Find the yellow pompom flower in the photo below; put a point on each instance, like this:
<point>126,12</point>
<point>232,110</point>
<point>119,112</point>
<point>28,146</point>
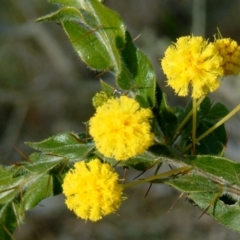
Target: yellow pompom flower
<point>230,51</point>
<point>92,190</point>
<point>192,61</point>
<point>121,129</point>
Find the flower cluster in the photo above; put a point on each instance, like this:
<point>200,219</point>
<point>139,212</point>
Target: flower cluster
<point>121,129</point>
<point>230,51</point>
<point>92,190</point>
<point>196,62</point>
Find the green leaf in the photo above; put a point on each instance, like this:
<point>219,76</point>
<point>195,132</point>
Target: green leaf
<point>84,37</point>
<point>108,89</point>
<point>208,115</point>
<point>4,175</point>
<point>228,172</point>
<point>70,3</point>
<point>88,46</point>
<point>64,14</point>
<point>24,185</point>
<point>10,215</point>
<point>214,185</point>
<point>138,74</point>
<point>204,108</point>
<point>43,162</point>
<point>161,151</point>
<point>166,116</point>
<point>142,162</point>
<point>40,187</point>
<point>9,189</point>
<point>193,183</point>
<point>228,215</point>
<point>226,175</point>
<point>216,113</point>
<point>67,145</point>
<point>98,35</point>
<point>216,141</point>
<point>143,103</point>
<point>205,194</point>
<point>186,132</point>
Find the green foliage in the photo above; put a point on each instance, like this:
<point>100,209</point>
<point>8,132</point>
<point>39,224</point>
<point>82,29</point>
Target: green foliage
<point>23,186</point>
<point>215,186</point>
<point>100,39</point>
<point>67,145</point>
<point>218,167</point>
<point>166,116</point>
<point>208,115</point>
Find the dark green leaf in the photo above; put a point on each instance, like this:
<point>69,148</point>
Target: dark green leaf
<point>142,162</point>
<point>161,151</point>
<point>216,113</point>
<point>166,116</point>
<point>208,115</point>
<point>138,74</point>
<point>214,143</point>
<point>10,215</point>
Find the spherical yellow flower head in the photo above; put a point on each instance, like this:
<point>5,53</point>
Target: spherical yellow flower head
<point>230,51</point>
<point>121,129</point>
<point>192,61</point>
<point>92,190</point>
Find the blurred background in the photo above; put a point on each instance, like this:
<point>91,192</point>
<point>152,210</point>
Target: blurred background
<point>45,89</point>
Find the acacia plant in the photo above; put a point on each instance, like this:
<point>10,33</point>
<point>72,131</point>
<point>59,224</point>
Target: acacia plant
<point>133,127</point>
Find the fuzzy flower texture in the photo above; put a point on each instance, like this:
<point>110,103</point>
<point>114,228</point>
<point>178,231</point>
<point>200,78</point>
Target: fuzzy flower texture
<point>196,62</point>
<point>121,129</point>
<point>92,190</point>
<point>230,51</point>
<point>192,61</point>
